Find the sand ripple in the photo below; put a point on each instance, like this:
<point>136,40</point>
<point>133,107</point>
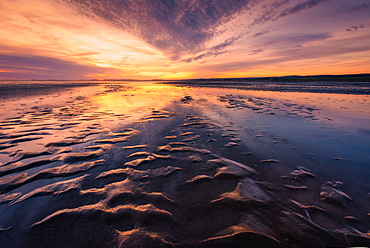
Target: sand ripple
<point>77,176</point>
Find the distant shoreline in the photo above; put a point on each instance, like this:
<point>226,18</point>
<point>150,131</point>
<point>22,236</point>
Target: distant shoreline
<point>339,87</point>
<point>364,77</point>
<point>322,78</point>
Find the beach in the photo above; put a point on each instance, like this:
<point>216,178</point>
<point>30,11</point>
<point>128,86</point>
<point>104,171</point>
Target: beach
<point>154,164</point>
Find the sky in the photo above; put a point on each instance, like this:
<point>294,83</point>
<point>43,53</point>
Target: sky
<point>180,39</point>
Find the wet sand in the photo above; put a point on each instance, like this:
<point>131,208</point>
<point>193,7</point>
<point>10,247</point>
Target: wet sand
<point>120,164</point>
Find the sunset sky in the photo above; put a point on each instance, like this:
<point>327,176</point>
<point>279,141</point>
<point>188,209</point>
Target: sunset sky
<point>174,39</point>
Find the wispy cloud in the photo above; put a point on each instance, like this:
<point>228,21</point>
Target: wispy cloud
<point>301,6</point>
<point>269,12</point>
<point>171,26</point>
<point>354,28</point>
<point>213,51</point>
<point>254,52</point>
<point>333,54</point>
<point>54,30</point>
<point>357,8</point>
<point>40,67</point>
<point>261,33</point>
<point>203,56</point>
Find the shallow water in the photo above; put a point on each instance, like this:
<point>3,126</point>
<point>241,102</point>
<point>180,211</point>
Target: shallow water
<point>169,162</point>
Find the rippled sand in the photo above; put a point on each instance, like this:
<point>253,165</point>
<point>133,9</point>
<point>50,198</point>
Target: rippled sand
<point>149,165</point>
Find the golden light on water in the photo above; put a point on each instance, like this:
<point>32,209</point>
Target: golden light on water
<point>138,99</point>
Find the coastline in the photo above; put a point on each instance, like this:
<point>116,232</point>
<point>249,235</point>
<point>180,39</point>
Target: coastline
<point>350,87</point>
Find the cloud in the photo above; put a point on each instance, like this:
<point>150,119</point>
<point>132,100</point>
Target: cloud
<point>40,67</point>
<point>203,55</point>
<point>358,8</point>
<point>48,28</point>
<point>261,33</point>
<point>301,6</point>
<point>276,42</point>
<point>225,44</point>
<point>354,28</point>
<point>325,55</point>
<point>214,51</point>
<point>171,26</point>
<point>268,13</point>
<point>274,10</point>
<point>254,52</point>
<point>85,54</point>
<point>311,37</point>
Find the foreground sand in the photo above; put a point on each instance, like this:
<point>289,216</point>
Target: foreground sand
<point>159,166</point>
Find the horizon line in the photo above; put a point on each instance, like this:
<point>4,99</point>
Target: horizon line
<point>221,78</point>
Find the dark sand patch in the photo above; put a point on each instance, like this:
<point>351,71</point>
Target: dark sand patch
<point>19,166</point>
<point>331,192</point>
<point>11,182</point>
<point>55,189</point>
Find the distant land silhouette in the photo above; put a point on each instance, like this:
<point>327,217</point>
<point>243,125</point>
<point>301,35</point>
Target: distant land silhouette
<point>340,78</point>
<point>345,84</point>
<point>293,78</point>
